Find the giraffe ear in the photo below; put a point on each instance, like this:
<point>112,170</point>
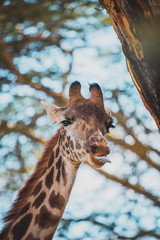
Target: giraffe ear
<point>51,110</point>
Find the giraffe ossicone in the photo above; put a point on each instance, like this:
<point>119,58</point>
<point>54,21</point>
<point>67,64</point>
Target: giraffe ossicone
<point>41,202</point>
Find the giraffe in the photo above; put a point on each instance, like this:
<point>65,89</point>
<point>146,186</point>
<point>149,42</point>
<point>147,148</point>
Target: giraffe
<point>39,206</point>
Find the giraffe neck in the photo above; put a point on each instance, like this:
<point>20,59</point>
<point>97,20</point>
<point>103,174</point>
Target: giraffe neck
<point>39,216</point>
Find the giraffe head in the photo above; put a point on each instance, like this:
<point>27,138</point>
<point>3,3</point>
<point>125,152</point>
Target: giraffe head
<point>84,122</point>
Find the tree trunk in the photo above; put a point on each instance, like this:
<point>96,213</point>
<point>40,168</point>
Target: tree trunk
<point>137,24</point>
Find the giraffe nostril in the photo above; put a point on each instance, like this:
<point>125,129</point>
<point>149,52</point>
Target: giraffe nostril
<point>99,149</point>
<point>93,148</point>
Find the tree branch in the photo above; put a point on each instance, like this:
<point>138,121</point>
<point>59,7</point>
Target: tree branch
<point>136,188</point>
<point>137,26</point>
<point>21,128</point>
<point>24,80</point>
<point>138,147</point>
<point>110,227</point>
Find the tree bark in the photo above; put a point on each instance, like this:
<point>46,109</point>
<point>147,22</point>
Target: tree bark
<point>137,24</point>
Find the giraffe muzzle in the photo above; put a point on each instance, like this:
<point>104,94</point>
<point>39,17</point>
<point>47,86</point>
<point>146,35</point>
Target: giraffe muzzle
<point>98,151</point>
<point>98,145</point>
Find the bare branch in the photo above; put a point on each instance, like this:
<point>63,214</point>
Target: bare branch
<point>109,227</point>
<point>136,188</point>
<point>24,80</point>
<point>21,128</point>
<point>138,147</point>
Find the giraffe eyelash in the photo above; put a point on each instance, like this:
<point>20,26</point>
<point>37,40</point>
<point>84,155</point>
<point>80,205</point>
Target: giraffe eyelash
<point>66,122</point>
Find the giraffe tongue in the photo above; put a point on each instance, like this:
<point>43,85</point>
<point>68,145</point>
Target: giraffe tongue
<point>97,161</point>
<point>102,159</point>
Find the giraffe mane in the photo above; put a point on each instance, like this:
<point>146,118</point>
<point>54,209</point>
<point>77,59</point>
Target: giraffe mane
<point>28,188</point>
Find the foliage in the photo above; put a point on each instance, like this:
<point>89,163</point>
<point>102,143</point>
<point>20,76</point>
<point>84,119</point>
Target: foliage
<point>40,42</point>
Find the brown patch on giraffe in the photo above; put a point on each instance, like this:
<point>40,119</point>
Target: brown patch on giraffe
<point>64,174</point>
<point>58,166</point>
<point>60,138</point>
<point>59,162</point>
<point>39,200</point>
<point>25,209</point>
<point>31,237</point>
<point>21,227</point>
<point>57,152</point>
<point>66,144</point>
<point>51,160</point>
<point>83,127</point>
<point>58,176</point>
<point>56,201</point>
<point>37,188</point>
<point>68,138</point>
<point>49,237</point>
<point>78,145</point>
<point>46,219</point>
<point>49,178</point>
<point>71,144</point>
<point>63,147</point>
<point>68,152</point>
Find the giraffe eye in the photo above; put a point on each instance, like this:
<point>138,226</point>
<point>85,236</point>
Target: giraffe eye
<point>66,122</point>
